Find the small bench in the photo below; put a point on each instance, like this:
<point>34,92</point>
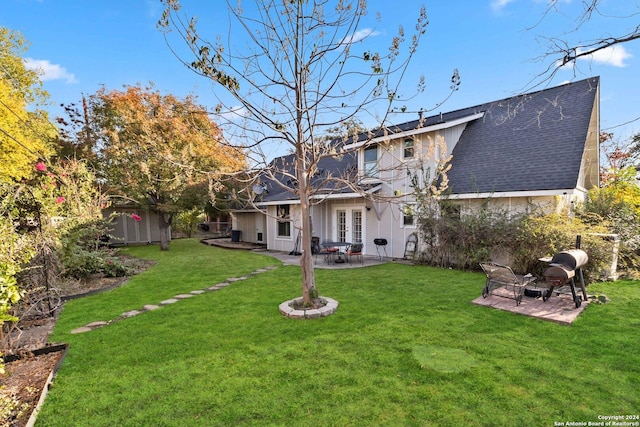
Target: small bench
<point>502,281</point>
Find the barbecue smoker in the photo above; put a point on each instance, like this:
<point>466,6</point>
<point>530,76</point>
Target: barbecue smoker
<point>563,268</point>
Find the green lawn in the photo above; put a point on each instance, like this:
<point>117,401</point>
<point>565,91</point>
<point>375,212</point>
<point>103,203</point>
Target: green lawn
<point>405,348</point>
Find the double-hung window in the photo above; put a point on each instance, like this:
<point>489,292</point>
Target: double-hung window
<point>408,215</point>
<point>371,161</point>
<point>284,221</point>
<point>408,148</point>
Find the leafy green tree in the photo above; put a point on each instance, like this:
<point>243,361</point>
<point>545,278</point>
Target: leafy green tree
<point>154,148</point>
<point>26,133</point>
<point>25,138</point>
<point>187,221</point>
<point>616,205</point>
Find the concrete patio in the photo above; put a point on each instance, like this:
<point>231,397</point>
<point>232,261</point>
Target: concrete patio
<point>287,259</point>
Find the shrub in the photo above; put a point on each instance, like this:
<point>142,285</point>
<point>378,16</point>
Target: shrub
<point>605,207</point>
<point>543,235</point>
<point>463,240</point>
<point>186,222</point>
<point>84,255</point>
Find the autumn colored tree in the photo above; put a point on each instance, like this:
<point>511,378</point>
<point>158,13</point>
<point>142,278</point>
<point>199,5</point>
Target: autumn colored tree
<point>154,147</point>
<point>288,72</point>
<point>25,130</point>
<point>616,203</point>
<point>618,173</point>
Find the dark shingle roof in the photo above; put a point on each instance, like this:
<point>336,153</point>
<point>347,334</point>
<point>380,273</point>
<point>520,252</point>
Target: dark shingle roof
<point>327,166</point>
<point>525,143</point>
<point>530,142</point>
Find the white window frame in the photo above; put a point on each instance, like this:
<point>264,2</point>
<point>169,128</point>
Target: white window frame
<point>406,147</point>
<point>283,218</point>
<point>370,168</point>
<point>406,208</point>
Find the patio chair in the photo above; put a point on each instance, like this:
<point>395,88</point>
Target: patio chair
<point>327,251</point>
<point>315,245</point>
<point>354,250</point>
<point>502,277</point>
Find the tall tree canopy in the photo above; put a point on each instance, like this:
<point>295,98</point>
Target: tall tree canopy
<point>25,130</point>
<point>154,147</point>
<point>294,70</point>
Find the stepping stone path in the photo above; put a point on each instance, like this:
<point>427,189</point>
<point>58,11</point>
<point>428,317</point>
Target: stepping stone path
<point>150,307</point>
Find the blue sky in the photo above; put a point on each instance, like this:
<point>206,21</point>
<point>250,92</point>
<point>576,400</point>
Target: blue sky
<point>495,44</point>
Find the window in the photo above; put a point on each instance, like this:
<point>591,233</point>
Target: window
<point>284,222</point>
<point>408,148</point>
<point>408,215</point>
<point>371,161</point>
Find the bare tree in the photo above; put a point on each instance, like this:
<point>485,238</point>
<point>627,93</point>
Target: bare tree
<point>294,71</point>
<point>619,24</point>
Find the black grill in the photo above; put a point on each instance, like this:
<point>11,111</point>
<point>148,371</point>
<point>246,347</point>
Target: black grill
<point>562,269</point>
<point>381,244</point>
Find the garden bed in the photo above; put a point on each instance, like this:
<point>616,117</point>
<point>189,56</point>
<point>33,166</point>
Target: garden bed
<point>30,369</point>
<point>26,382</point>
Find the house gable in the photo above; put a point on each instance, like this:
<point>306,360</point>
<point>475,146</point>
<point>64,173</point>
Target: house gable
<point>531,143</point>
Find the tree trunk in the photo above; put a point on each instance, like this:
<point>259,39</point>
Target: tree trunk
<point>164,222</point>
<point>309,292</point>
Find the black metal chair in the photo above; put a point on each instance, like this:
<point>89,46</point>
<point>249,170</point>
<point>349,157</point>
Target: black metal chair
<point>327,251</point>
<point>315,245</point>
<point>354,250</point>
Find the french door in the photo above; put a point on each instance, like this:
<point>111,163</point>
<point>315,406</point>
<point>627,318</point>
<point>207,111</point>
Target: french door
<point>349,225</point>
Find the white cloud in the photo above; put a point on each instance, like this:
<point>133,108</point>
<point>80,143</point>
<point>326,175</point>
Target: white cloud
<point>498,5</point>
<point>49,71</point>
<point>360,35</point>
<point>613,55</point>
<point>234,113</point>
